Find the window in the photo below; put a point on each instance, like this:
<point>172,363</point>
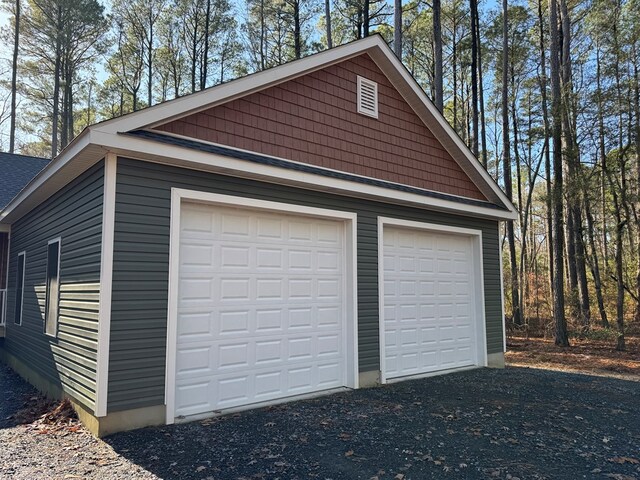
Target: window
<point>4,274</point>
<point>367,97</point>
<point>20,287</point>
<point>52,288</point>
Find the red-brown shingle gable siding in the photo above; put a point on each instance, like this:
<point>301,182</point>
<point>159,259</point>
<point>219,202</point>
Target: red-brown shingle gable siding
<point>313,119</point>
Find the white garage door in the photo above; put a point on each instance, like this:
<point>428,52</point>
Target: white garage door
<point>428,302</point>
<point>260,307</point>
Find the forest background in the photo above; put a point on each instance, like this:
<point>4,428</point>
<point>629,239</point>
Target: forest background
<point>546,93</point>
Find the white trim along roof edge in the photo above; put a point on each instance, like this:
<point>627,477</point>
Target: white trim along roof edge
<point>95,141</point>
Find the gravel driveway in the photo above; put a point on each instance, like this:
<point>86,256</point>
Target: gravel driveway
<point>505,424</point>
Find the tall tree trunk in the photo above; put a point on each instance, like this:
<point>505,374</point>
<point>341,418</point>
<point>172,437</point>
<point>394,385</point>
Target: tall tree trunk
<point>55,120</point>
<point>454,64</point>
<point>64,114</point>
<point>547,131</point>
<point>620,225</point>
<point>14,77</point>
<point>365,18</point>
<point>150,53</point>
<point>297,42</point>
<point>595,266</point>
<point>603,159</point>
<point>437,58</point>
<point>327,16</point>
<point>262,36</point>
<point>575,238</point>
<point>561,334</point>
<point>474,76</point>
<point>204,69</point>
<point>522,211</point>
<point>636,104</point>
<point>506,162</point>
<point>397,28</point>
<point>483,124</point>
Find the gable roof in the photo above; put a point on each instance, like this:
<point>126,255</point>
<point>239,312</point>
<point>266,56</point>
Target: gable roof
<point>16,171</point>
<point>95,141</point>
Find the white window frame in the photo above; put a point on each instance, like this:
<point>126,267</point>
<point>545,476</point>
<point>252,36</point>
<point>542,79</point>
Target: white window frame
<point>47,294</point>
<point>3,307</point>
<point>178,196</point>
<point>478,282</point>
<point>361,81</point>
<point>24,274</point>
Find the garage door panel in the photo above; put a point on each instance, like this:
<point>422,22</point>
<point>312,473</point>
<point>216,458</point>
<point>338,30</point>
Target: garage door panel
<point>212,358</point>
<point>245,387</point>
<point>429,321</point>
<point>262,315</point>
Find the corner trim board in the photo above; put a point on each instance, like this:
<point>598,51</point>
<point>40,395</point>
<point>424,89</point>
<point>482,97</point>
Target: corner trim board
<point>106,277</point>
<point>478,285</point>
<point>179,195</point>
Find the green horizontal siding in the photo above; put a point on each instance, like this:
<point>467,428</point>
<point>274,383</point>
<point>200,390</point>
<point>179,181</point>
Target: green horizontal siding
<point>141,262</point>
<point>75,215</point>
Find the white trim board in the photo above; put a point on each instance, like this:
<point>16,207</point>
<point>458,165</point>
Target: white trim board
<point>106,277</point>
<point>175,155</point>
<point>178,196</point>
<point>478,285</point>
<point>24,276</point>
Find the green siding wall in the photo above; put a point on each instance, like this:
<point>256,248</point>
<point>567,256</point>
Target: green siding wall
<point>140,276</point>
<point>75,215</point>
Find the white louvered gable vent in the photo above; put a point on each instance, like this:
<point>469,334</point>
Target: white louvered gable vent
<point>367,97</point>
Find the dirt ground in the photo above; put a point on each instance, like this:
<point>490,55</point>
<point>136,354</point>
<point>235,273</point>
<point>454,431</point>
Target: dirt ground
<point>597,357</point>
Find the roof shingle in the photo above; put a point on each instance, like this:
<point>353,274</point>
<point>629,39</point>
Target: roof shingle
<point>15,172</point>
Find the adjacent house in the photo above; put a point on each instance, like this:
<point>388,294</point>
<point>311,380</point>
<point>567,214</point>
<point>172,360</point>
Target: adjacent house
<point>313,227</point>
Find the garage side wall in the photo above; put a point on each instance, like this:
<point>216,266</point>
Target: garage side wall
<point>141,264</point>
<point>68,361</point>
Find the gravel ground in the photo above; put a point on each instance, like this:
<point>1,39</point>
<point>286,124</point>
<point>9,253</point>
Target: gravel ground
<point>506,424</point>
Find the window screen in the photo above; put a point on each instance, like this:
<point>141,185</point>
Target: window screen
<point>53,288</point>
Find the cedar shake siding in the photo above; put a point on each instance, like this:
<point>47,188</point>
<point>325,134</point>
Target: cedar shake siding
<point>141,268</point>
<point>313,119</point>
<point>74,214</point>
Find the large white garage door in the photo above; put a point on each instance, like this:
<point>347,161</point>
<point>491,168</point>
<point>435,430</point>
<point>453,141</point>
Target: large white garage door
<point>428,302</point>
<point>260,307</point>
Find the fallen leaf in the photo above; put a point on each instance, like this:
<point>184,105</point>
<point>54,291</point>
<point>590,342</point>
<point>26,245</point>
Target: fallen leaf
<point>201,468</point>
<point>624,460</point>
<point>399,476</point>
<point>348,453</point>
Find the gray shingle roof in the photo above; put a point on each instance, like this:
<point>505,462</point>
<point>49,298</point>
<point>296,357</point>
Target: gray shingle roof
<point>15,172</point>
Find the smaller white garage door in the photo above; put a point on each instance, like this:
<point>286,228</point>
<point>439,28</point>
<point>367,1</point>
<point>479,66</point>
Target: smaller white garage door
<point>261,307</point>
<point>429,301</point>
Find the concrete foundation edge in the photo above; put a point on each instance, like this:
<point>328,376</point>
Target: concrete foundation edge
<point>98,426</point>
<point>369,379</point>
<point>496,360</point>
